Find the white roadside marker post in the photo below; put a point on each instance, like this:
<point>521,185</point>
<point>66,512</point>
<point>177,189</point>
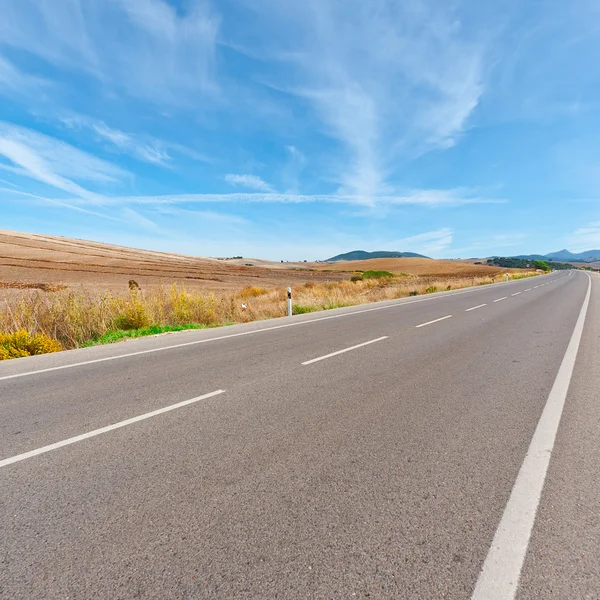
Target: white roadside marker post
<point>507,277</point>
<point>289,292</point>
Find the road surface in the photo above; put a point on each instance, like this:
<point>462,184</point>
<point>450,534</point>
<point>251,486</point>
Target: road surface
<point>394,450</point>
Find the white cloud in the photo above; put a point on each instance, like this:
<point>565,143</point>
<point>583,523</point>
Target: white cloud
<point>135,218</point>
<point>387,79</point>
<point>430,243</point>
<point>425,198</point>
<point>53,162</point>
<point>252,182</point>
<point>5,182</point>
<point>59,203</point>
<point>129,144</point>
<point>143,147</point>
<point>145,47</point>
<point>290,174</point>
<point>13,81</point>
<point>585,238</point>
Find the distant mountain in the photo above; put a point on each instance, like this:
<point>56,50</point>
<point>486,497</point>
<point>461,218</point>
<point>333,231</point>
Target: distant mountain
<point>588,255</point>
<point>531,257</point>
<point>564,256</point>
<point>362,255</point>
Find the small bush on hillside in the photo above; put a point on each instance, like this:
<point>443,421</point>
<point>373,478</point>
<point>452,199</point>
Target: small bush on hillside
<point>356,278</point>
<point>22,343</point>
<point>252,291</point>
<point>413,293</point>
<point>431,289</point>
<point>377,274</point>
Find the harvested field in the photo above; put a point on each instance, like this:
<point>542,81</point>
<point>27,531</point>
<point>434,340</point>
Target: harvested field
<point>421,267</point>
<point>50,263</point>
<point>31,260</point>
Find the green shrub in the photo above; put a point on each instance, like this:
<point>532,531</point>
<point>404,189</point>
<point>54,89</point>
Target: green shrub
<point>299,309</point>
<point>431,289</point>
<point>377,274</point>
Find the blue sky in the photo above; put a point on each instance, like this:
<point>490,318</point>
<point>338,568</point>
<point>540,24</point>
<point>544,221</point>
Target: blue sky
<point>298,130</point>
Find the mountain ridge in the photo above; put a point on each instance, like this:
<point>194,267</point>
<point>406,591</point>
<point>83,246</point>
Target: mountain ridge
<point>364,255</point>
<point>564,256</point>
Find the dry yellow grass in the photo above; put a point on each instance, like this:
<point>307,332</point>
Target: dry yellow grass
<point>73,318</point>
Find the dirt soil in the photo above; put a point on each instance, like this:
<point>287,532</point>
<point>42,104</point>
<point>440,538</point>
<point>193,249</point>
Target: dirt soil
<point>37,261</point>
<point>49,263</point>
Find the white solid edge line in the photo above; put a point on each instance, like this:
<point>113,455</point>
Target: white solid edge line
<point>403,302</point>
<point>500,299</point>
<point>95,432</point>
<point>434,321</point>
<point>499,577</point>
<point>516,294</point>
<point>475,307</point>
<point>314,360</point>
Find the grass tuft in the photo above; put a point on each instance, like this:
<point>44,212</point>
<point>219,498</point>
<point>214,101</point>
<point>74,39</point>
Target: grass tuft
<point>299,309</point>
<point>118,335</point>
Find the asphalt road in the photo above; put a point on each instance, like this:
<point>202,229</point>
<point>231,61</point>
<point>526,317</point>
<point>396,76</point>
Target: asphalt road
<point>408,461</point>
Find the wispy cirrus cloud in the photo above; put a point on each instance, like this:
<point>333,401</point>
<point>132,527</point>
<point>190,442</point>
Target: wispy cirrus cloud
<point>142,147</point>
<point>55,163</point>
<point>425,198</point>
<point>14,81</point>
<point>291,172</point>
<point>386,79</point>
<point>430,243</point>
<point>251,182</point>
<point>585,238</point>
<point>156,52</point>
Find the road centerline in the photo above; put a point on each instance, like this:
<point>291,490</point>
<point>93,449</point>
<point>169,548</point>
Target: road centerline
<point>434,321</point>
<point>500,299</point>
<point>314,360</point>
<point>501,571</point>
<point>516,294</point>
<point>95,432</point>
<point>475,307</point>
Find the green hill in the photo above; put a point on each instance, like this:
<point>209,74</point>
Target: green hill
<point>363,255</point>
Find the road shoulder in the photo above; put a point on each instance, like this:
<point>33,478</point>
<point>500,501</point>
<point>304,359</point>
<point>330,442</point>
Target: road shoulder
<point>562,559</point>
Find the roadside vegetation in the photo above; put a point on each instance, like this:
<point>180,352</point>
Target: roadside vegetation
<point>36,322</point>
<point>521,263</point>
